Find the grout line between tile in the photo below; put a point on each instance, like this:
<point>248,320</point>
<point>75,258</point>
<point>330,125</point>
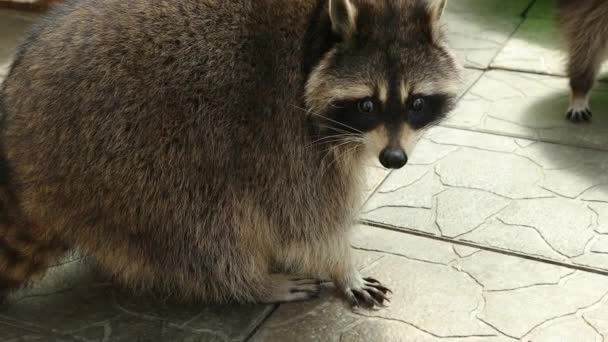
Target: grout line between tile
<point>470,86</point>
<point>523,137</point>
<point>601,80</point>
<point>527,10</point>
<point>529,72</point>
<point>543,260</point>
<point>375,190</point>
<point>258,325</point>
<point>521,22</point>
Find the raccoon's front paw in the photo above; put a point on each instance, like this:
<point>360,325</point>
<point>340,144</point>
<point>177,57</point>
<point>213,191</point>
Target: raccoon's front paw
<point>368,292</point>
<point>577,115</point>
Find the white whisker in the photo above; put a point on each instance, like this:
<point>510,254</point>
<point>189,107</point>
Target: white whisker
<point>328,119</point>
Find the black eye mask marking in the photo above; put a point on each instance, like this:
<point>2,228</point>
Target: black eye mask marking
<point>423,110</point>
<point>359,116</point>
<point>354,116</point>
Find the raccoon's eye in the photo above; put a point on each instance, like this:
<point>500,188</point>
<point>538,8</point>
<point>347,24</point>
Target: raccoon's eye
<point>366,106</point>
<point>418,105</point>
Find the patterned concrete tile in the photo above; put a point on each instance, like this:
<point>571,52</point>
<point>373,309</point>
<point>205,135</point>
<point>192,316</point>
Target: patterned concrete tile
<point>128,328</point>
<point>464,251</point>
<point>576,293</point>
<point>569,328</point>
<point>536,47</point>
<point>64,311</point>
<point>500,274</point>
<point>461,210</point>
<point>509,176</point>
<point>476,38</point>
<point>597,318</point>
<point>538,199</point>
<point>530,106</point>
<point>565,224</point>
<point>226,322</point>
<point>483,296</point>
<point>74,301</point>
<point>469,77</point>
<point>9,333</point>
<point>392,242</point>
<point>600,209</point>
<point>512,237</point>
<point>597,194</point>
<point>385,330</point>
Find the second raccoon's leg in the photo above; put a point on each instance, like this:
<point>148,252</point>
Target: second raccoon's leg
<point>587,48</point>
<point>582,79</point>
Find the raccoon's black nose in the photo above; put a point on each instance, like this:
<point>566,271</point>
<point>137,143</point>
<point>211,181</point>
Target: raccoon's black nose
<point>393,158</point>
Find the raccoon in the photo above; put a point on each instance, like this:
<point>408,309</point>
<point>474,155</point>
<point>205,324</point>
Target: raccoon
<point>584,25</point>
<point>213,150</point>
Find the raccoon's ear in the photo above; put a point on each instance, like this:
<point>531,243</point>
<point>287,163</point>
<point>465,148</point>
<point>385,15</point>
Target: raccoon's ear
<point>343,16</point>
<point>437,7</point>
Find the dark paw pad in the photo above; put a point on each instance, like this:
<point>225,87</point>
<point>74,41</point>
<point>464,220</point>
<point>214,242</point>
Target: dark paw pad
<point>579,115</point>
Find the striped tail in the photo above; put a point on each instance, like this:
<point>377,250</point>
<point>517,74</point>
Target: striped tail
<point>25,250</point>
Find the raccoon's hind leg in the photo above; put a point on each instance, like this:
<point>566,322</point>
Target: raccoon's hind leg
<point>582,78</point>
<point>587,47</point>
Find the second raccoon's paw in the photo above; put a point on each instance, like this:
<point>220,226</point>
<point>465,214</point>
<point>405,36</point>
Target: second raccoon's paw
<point>368,292</point>
<point>292,289</point>
<point>579,115</point>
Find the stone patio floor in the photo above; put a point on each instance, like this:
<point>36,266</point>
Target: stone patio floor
<point>497,230</point>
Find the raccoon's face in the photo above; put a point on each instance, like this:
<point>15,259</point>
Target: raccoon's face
<point>382,74</point>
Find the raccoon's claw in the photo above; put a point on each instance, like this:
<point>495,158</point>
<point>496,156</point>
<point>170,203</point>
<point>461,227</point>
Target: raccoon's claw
<point>377,285</point>
<point>292,289</point>
<point>369,294</point>
<point>579,115</point>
